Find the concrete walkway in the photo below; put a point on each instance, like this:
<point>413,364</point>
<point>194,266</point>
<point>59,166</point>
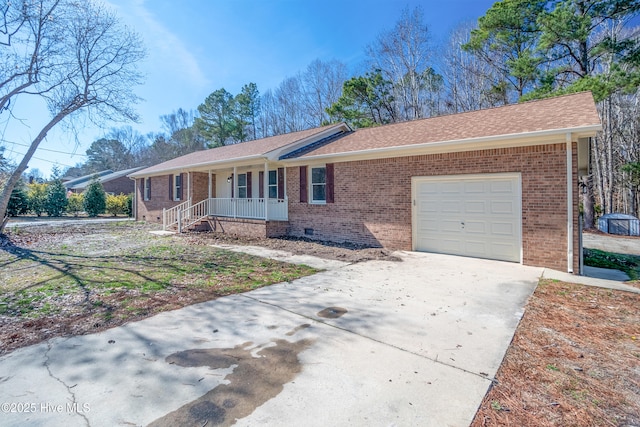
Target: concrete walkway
<point>378,343</point>
<point>598,277</point>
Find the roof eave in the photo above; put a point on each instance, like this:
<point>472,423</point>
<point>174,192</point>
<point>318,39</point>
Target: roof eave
<point>272,155</point>
<point>452,145</point>
<point>203,165</point>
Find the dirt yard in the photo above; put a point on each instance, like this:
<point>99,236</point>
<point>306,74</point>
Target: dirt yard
<point>574,360</point>
<point>594,239</point>
<point>87,277</point>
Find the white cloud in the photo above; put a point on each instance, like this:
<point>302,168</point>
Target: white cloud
<point>167,52</point>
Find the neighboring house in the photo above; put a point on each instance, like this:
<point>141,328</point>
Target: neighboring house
<point>112,182</point>
<point>500,183</point>
<point>71,182</point>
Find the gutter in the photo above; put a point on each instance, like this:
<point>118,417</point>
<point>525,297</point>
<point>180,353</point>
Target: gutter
<point>231,162</point>
<point>444,145</point>
<point>272,155</point>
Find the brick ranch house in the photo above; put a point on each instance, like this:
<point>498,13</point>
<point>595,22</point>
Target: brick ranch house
<point>500,183</point>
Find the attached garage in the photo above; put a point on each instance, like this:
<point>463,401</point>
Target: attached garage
<point>500,183</point>
<point>470,215</point>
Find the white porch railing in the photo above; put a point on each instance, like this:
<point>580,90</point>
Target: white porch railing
<point>170,216</point>
<point>273,209</point>
<point>186,214</point>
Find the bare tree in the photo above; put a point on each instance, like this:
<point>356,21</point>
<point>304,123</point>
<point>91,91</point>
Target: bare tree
<point>471,82</point>
<point>76,56</point>
<point>403,55</point>
<point>322,88</point>
<point>268,118</point>
<point>290,98</point>
<point>300,102</point>
<point>181,132</point>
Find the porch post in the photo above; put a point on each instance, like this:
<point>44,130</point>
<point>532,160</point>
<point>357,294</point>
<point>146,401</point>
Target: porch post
<point>234,183</point>
<point>265,185</point>
<point>210,192</point>
<point>285,196</point>
<point>189,187</point>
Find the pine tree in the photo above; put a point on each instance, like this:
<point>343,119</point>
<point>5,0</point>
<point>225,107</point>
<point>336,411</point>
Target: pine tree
<point>95,199</point>
<point>56,201</point>
<point>19,201</point>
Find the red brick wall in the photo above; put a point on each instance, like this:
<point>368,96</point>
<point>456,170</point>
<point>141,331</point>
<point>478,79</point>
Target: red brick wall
<point>247,227</point>
<point>277,228</point>
<point>151,210</point>
<point>253,227</point>
<point>373,199</point>
<point>200,186</point>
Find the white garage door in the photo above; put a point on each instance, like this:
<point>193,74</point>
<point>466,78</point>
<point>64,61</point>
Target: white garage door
<point>470,215</point>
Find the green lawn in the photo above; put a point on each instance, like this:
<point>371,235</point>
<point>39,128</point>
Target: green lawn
<point>630,264</point>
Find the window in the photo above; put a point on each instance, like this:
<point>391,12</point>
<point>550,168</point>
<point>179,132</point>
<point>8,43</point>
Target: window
<point>242,186</point>
<point>318,185</point>
<point>147,189</point>
<point>177,187</point>
<point>273,184</point>
<point>321,187</point>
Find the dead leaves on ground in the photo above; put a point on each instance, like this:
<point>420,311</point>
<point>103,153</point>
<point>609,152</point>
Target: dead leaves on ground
<point>574,361</point>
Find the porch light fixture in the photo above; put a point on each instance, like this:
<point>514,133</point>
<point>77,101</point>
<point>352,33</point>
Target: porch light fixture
<point>229,179</point>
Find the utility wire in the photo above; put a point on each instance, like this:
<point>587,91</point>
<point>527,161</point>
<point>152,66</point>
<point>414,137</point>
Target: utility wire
<point>44,149</point>
<point>44,160</point>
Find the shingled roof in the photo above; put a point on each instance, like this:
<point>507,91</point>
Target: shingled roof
<point>561,114</point>
<point>567,113</point>
<point>245,150</point>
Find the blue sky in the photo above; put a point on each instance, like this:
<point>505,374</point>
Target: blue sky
<point>198,46</point>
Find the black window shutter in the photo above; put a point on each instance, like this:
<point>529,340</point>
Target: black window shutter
<point>280,183</point>
<point>170,187</point>
<point>329,182</point>
<point>261,184</point>
<point>304,196</point>
<point>249,187</point>
<point>149,187</point>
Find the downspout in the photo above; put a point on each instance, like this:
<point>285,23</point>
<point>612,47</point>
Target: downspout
<point>569,203</point>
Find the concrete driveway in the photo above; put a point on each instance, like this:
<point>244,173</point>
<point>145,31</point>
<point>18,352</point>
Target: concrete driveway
<point>414,342</point>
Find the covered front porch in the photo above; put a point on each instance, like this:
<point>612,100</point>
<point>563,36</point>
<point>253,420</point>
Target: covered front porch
<point>247,192</point>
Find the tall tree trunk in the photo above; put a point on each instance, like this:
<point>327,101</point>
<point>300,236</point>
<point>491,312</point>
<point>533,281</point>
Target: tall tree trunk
<point>608,158</point>
<point>17,173</point>
<point>587,202</point>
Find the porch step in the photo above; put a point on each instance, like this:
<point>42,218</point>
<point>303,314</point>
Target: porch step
<point>212,221</point>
